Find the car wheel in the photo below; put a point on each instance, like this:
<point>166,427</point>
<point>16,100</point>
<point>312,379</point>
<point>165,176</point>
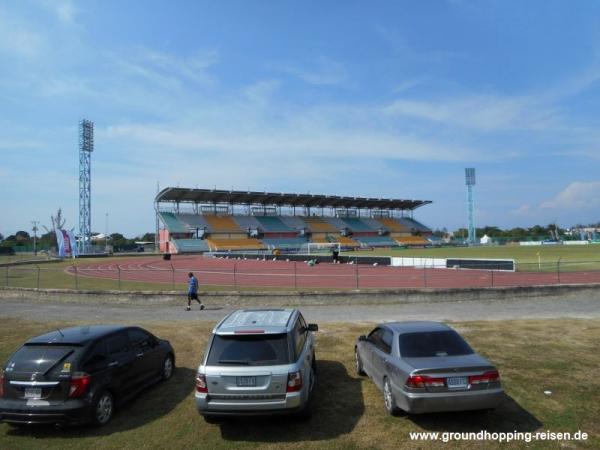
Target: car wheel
<point>167,367</point>
<point>358,363</point>
<point>306,412</point>
<point>103,408</point>
<point>388,399</point>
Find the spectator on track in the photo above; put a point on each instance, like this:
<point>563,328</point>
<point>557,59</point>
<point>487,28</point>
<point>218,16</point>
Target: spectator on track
<point>193,291</point>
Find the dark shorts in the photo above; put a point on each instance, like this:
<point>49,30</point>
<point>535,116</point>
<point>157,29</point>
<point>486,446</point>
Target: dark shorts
<point>192,295</point>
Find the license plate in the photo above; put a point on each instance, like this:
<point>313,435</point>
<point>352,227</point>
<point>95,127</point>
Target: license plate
<point>456,382</point>
<point>246,381</point>
<point>33,392</point>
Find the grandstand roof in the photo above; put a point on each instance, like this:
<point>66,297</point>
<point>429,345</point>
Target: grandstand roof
<point>213,196</point>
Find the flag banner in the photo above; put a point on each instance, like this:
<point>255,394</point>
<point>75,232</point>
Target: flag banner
<point>60,244</point>
<point>66,244</point>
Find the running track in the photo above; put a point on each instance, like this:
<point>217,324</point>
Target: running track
<point>260,273</point>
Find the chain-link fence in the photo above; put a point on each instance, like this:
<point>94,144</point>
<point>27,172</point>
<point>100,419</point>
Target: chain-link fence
<point>293,276</point>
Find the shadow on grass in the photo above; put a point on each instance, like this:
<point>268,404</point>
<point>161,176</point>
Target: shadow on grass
<point>509,416</point>
<point>337,407</point>
<point>149,405</point>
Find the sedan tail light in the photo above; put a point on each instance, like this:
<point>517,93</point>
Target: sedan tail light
<point>1,384</point>
<point>491,376</point>
<point>421,381</point>
<point>79,384</point>
<point>201,385</point>
<point>294,383</point>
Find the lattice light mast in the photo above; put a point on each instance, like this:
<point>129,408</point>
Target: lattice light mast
<point>86,147</point>
<point>470,182</point>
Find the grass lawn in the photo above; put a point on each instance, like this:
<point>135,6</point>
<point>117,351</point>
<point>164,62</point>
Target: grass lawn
<point>533,356</point>
<point>587,256</point>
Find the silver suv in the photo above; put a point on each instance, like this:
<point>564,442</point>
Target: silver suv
<point>258,361</point>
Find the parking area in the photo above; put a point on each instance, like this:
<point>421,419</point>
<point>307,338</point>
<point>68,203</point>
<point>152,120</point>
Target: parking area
<point>534,357</point>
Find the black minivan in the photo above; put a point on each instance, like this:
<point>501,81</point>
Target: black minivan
<point>78,375</point>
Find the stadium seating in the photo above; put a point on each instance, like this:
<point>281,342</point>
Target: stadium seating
<point>222,224</point>
<point>411,240</point>
<point>321,238</point>
<point>336,223</point>
<point>173,224</point>
<point>356,224</point>
<point>372,223</point>
<point>317,224</point>
<point>377,241</point>
<point>247,222</point>
<point>194,221</point>
<point>412,224</point>
<point>234,244</point>
<point>394,225</point>
<point>294,222</point>
<point>270,224</point>
<point>346,241</point>
<point>190,245</point>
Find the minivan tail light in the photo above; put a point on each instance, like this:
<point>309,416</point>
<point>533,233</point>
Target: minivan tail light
<point>79,384</point>
<point>421,381</point>
<point>491,376</point>
<point>294,383</point>
<point>201,385</point>
<point>1,384</point>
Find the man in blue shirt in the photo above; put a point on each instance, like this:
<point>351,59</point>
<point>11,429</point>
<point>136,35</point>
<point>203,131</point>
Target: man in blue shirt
<point>193,291</point>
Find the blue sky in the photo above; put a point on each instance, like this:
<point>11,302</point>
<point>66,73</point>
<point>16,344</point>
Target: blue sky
<point>380,98</point>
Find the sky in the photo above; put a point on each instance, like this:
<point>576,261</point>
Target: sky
<point>381,99</point>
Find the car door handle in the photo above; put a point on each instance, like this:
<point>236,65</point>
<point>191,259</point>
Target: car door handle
<point>113,364</point>
<point>139,355</point>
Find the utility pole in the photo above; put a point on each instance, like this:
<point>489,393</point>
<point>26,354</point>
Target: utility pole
<point>34,229</point>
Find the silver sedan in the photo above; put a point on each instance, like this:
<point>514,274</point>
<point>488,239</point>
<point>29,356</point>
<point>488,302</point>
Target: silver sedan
<point>426,367</point>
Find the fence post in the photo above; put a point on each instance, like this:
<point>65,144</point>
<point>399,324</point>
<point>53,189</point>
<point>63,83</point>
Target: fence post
<point>295,276</point>
<point>172,277</point>
<point>356,274</point>
<point>76,278</point>
<point>119,276</point>
<point>424,275</point>
<point>234,275</point>
<point>492,271</point>
<point>6,275</point>
<point>558,269</point>
<point>38,277</point>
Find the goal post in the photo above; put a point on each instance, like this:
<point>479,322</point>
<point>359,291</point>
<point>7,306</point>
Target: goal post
<point>322,247</point>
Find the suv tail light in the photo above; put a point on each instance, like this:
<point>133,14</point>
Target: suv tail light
<point>79,384</point>
<point>491,376</point>
<point>294,383</point>
<point>1,384</point>
<point>201,385</point>
<point>421,381</point>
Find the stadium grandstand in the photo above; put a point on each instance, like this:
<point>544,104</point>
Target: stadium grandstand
<point>203,220</point>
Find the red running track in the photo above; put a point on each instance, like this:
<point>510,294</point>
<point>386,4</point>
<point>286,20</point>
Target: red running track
<point>284,274</point>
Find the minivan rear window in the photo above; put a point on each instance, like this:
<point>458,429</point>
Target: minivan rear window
<point>249,350</point>
<point>41,358</point>
<point>433,343</point>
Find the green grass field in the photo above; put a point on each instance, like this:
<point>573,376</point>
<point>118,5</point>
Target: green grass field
<point>349,412</point>
<point>572,257</point>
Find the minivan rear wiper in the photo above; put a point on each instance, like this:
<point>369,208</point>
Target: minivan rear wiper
<point>245,362</point>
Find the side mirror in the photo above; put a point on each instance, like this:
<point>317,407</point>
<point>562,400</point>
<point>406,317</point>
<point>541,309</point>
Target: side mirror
<point>313,327</point>
<point>362,337</point>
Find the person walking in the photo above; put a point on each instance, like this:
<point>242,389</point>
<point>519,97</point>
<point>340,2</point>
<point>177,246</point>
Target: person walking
<point>193,291</point>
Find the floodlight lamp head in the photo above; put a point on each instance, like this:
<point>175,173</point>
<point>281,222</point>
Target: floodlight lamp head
<point>470,176</point>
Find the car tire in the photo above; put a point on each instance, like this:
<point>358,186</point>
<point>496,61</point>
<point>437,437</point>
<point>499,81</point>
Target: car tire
<point>306,412</point>
<point>103,408</point>
<point>358,365</point>
<point>212,419</point>
<point>388,399</point>
<point>168,367</point>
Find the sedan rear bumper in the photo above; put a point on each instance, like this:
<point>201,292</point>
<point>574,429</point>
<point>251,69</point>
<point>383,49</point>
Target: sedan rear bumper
<point>417,403</point>
<point>73,411</point>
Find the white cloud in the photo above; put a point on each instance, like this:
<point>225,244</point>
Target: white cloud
<point>577,195</point>
<point>322,72</point>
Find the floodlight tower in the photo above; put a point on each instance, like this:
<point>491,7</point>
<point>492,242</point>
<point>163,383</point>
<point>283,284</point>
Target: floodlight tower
<point>470,182</point>
<point>86,147</point>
